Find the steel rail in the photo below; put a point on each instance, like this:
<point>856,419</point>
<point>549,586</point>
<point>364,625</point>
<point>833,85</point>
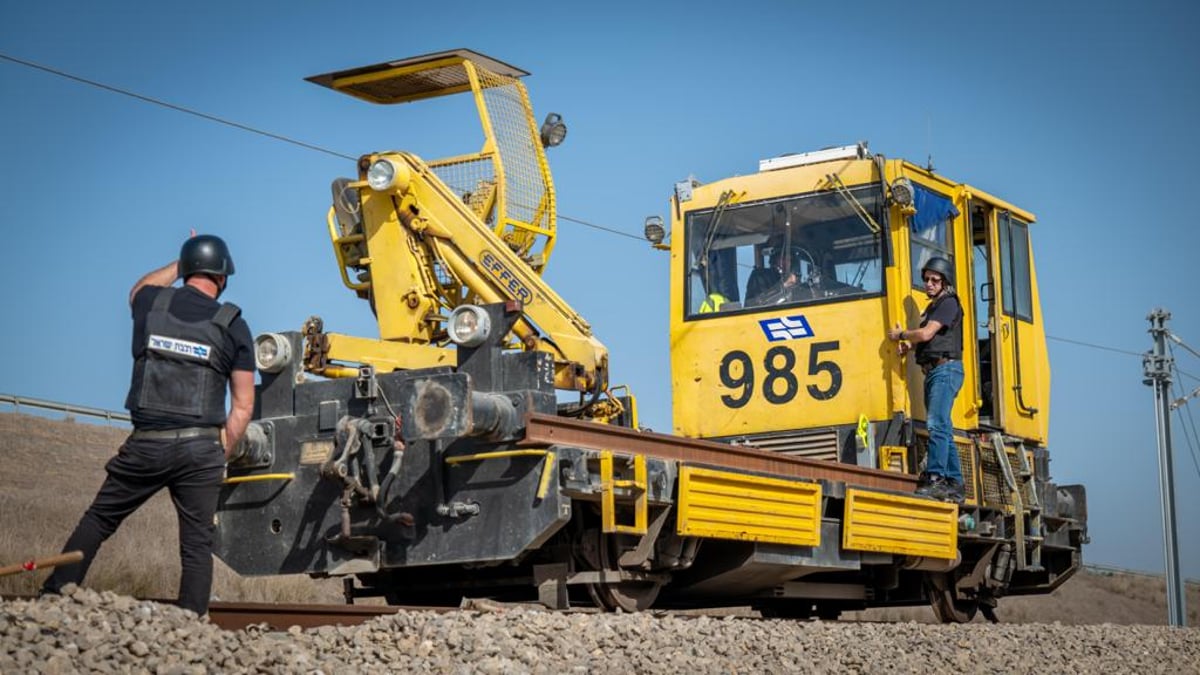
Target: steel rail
<point>280,617</point>
<point>546,430</point>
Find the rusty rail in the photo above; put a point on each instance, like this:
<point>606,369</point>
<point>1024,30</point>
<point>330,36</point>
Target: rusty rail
<point>544,430</point>
<point>280,617</point>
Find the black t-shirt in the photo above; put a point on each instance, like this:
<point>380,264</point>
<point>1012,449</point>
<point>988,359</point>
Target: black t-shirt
<point>188,304</point>
<point>947,342</point>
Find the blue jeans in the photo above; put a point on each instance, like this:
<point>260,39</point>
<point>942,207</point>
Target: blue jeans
<point>941,386</point>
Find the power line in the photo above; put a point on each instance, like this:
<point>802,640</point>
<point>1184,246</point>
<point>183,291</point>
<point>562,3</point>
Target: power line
<point>317,148</point>
<point>1093,346</point>
<point>172,106</point>
<point>244,127</point>
<point>602,228</point>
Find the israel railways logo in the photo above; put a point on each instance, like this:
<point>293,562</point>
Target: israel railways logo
<point>181,347</point>
<point>509,281</point>
<point>786,328</point>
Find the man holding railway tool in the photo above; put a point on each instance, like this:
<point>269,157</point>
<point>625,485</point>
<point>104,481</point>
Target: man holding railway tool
<point>938,345</point>
<point>187,347</point>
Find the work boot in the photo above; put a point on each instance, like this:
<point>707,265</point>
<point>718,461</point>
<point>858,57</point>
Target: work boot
<point>928,485</point>
<point>923,480</point>
<point>954,491</point>
<point>947,490</point>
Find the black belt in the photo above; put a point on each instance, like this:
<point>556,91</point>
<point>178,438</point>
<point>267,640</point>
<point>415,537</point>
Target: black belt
<point>175,434</point>
<point>940,361</point>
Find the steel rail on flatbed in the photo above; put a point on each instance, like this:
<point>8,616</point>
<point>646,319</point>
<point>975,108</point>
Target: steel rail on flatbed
<point>544,430</point>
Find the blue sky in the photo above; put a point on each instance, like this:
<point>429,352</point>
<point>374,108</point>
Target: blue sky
<point>1082,112</point>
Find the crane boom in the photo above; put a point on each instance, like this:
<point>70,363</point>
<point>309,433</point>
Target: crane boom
<point>417,239</point>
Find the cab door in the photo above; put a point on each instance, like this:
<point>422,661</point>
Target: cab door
<point>1021,389</point>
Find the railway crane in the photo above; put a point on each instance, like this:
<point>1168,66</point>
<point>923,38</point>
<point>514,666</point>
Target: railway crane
<point>437,462</point>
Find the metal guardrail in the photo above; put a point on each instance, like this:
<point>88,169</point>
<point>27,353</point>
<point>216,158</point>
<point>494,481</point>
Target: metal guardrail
<point>109,416</point>
<point>1112,569</point>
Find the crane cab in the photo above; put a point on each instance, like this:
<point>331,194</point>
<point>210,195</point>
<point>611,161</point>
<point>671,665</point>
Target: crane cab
<point>785,282</point>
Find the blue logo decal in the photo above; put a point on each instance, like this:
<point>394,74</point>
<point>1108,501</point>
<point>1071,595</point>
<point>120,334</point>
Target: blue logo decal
<point>786,328</point>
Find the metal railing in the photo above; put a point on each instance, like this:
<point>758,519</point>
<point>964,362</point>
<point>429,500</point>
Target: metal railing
<point>1109,570</point>
<point>109,416</point>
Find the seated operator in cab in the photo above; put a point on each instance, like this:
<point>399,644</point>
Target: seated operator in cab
<point>938,344</point>
<point>786,279</point>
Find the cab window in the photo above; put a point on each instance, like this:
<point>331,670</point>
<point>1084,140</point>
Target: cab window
<point>797,250</point>
<point>930,230</point>
<point>1015,287</point>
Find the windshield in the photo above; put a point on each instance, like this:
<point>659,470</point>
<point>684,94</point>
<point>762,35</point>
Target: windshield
<point>790,251</point>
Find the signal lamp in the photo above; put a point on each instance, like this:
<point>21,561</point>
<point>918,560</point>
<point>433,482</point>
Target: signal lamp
<point>553,130</point>
<point>468,326</point>
<point>903,191</point>
<point>272,352</point>
<point>655,232</point>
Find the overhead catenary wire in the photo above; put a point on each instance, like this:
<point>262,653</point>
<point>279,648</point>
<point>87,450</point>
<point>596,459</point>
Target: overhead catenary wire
<point>1189,435</point>
<point>316,148</point>
<point>172,106</point>
<point>1094,346</point>
<point>1179,341</point>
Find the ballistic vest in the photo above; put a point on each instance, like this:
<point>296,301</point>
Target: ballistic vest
<point>947,342</point>
<point>183,369</point>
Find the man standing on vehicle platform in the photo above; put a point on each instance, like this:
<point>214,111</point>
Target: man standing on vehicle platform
<point>938,345</point>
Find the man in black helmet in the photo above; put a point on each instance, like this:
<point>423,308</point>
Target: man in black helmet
<point>939,353</point>
<point>186,348</point>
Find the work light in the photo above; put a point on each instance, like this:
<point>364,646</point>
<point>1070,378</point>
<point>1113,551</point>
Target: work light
<point>655,232</point>
<point>381,175</point>
<point>469,326</point>
<point>553,130</point>
<point>902,191</point>
<point>272,352</point>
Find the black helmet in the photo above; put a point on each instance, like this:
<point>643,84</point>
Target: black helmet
<point>942,267</point>
<point>204,254</point>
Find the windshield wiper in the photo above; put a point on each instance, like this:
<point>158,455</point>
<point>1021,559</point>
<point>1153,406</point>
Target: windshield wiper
<point>859,210</point>
<point>711,233</point>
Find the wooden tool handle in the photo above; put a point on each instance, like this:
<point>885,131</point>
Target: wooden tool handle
<point>37,563</point>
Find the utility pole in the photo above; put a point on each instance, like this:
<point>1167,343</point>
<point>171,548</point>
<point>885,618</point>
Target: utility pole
<point>1157,365</point>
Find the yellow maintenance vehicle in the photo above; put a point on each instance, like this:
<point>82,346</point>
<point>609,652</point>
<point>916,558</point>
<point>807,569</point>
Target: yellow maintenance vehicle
<point>437,462</point>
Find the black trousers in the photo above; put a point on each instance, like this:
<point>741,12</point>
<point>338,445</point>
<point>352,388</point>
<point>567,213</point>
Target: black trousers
<point>192,470</point>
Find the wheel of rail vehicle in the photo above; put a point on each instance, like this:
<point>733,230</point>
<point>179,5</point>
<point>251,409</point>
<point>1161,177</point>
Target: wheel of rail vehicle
<point>948,606</point>
<point>602,551</point>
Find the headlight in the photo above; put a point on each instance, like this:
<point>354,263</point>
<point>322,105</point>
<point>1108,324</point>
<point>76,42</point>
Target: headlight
<point>469,326</point>
<point>381,175</point>
<point>272,352</point>
<point>902,191</point>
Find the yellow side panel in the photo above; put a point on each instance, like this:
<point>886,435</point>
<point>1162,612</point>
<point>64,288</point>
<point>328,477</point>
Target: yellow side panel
<point>888,523</point>
<point>726,505</point>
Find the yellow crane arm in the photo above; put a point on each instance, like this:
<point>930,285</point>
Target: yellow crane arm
<point>424,249</point>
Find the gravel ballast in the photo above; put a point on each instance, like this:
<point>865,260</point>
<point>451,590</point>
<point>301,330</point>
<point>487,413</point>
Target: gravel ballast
<point>86,631</point>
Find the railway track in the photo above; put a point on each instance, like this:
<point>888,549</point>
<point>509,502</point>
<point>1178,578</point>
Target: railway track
<point>280,617</point>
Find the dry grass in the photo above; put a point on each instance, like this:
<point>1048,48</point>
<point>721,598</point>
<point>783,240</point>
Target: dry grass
<point>52,470</point>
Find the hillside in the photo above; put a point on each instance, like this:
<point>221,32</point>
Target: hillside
<point>52,469</point>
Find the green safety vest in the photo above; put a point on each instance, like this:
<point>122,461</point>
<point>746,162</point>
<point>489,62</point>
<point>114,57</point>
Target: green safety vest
<point>712,303</point>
